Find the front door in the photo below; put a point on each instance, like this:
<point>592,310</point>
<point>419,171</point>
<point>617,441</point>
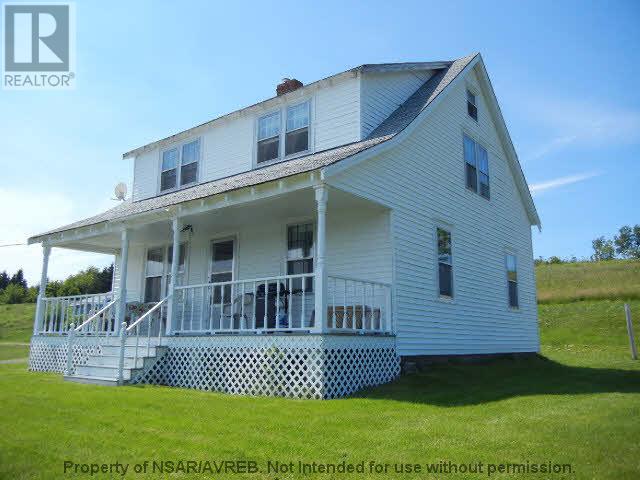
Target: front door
<point>221,270</point>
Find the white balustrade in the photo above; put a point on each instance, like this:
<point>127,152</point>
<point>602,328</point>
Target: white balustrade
<point>359,306</point>
<point>58,313</point>
<point>279,303</point>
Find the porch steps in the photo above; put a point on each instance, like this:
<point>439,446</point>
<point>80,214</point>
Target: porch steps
<point>102,369</point>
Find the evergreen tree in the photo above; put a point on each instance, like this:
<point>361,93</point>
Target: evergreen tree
<point>18,279</point>
<point>4,280</point>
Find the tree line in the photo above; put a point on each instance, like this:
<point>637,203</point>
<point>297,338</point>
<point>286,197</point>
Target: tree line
<point>14,288</point>
<point>624,245</point>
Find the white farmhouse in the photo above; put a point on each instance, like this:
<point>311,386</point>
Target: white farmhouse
<point>304,245</point>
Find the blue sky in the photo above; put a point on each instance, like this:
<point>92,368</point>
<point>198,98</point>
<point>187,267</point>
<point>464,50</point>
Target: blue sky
<point>565,73</point>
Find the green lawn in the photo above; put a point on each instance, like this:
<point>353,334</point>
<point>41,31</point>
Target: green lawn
<point>9,351</point>
<point>577,404</point>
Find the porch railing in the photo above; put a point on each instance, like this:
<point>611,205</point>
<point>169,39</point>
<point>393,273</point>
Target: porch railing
<point>103,322</point>
<point>361,306</point>
<point>284,303</point>
<point>58,313</point>
<point>279,303</point>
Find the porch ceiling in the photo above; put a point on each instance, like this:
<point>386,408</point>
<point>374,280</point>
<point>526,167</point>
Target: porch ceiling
<point>299,204</point>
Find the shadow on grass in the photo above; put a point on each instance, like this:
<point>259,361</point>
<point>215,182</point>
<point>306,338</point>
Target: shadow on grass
<point>454,385</point>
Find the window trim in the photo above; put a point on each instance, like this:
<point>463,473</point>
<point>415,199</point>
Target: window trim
<point>223,238</point>
<point>282,147</point>
<point>291,223</point>
<point>198,162</point>
<point>449,228</point>
<point>166,271</point>
<point>477,143</point>
<point>257,137</point>
<point>472,91</point>
<point>510,252</point>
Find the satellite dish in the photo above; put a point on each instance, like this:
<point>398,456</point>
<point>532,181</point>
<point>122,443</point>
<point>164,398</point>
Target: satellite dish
<point>120,191</point>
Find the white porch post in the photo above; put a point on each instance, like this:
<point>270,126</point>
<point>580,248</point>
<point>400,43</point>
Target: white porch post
<point>175,263</point>
<point>38,321</point>
<point>122,289</point>
<point>320,269</point>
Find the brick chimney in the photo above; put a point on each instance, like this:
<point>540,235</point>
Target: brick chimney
<point>288,85</point>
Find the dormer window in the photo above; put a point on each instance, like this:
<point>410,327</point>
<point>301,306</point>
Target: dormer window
<point>297,139</point>
<point>289,126</point>
<point>180,166</point>
<point>472,107</point>
<point>269,137</point>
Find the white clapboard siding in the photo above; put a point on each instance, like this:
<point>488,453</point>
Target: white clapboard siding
<point>228,146</point>
<point>382,93</point>
<point>358,245</point>
<point>337,114</point>
<point>422,179</point>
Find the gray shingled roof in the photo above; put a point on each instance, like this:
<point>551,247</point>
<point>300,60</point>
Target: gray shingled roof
<point>394,124</point>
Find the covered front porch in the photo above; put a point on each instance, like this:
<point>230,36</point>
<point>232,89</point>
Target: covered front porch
<point>301,262</point>
<point>256,267</point>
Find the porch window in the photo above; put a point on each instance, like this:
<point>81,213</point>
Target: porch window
<point>512,280</point>
<point>300,254</point>
<point>445,263</point>
<point>158,271</point>
<point>180,166</point>
<point>476,161</point>
<point>222,269</point>
<point>269,137</point>
<point>297,138</point>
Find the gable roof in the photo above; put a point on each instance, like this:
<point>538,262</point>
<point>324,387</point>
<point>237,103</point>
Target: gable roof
<point>389,129</point>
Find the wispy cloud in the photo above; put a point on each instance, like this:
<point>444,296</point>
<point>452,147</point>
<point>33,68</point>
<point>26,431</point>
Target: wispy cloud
<point>537,188</point>
<point>587,124</point>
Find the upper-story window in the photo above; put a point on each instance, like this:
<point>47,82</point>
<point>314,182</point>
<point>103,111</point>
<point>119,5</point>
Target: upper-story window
<point>294,133</point>
<point>180,166</point>
<point>269,137</point>
<point>476,162</point>
<point>445,263</point>
<point>512,280</point>
<point>297,139</point>
<point>472,106</point>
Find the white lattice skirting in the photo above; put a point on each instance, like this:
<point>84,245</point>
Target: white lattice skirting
<point>49,354</point>
<point>297,366</point>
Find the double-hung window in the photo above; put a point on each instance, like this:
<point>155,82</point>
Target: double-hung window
<point>158,271</point>
<point>512,280</point>
<point>297,138</point>
<point>476,160</point>
<point>300,247</point>
<point>293,133</point>
<point>472,107</point>
<point>269,137</point>
<point>445,263</point>
<point>180,166</point>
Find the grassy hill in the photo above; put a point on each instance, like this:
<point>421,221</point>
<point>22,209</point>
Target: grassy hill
<point>16,327</point>
<point>570,282</point>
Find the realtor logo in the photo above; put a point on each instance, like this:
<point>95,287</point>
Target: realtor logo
<point>39,46</point>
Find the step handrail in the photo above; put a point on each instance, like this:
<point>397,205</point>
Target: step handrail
<point>148,313</point>
<point>97,314</point>
<point>125,331</point>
